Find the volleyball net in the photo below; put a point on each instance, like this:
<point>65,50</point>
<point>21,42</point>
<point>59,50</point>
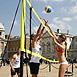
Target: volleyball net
<point>47,44</point>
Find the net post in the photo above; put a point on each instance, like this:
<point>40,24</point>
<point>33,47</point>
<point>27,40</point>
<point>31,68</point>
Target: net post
<point>49,66</point>
<point>30,27</point>
<point>22,36</point>
<point>30,48</point>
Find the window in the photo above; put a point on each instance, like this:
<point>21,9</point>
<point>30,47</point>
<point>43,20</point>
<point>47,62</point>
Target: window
<point>10,49</point>
<point>43,47</point>
<point>2,44</point>
<point>0,33</point>
<point>48,47</point>
<point>54,48</point>
<point>69,39</point>
<point>14,49</point>
<point>76,40</point>
<point>76,47</point>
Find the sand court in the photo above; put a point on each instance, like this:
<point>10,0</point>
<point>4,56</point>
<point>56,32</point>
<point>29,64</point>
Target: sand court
<point>5,71</point>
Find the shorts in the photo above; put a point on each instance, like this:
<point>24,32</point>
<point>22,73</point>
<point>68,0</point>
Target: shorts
<point>34,68</point>
<point>17,70</point>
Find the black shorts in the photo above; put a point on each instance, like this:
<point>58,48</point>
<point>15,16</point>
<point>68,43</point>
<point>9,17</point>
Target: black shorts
<point>34,68</point>
<point>17,70</point>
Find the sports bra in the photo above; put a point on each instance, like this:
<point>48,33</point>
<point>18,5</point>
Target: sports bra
<point>59,50</point>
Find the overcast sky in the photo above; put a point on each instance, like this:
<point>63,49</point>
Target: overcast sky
<point>63,16</point>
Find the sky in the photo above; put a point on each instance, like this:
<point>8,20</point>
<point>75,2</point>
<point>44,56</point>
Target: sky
<point>63,15</point>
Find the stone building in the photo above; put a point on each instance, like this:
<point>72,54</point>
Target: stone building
<point>13,45</point>
<point>48,46</point>
<point>72,52</point>
<point>3,41</point>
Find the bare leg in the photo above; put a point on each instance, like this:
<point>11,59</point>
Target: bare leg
<point>18,74</point>
<point>34,75</point>
<point>12,75</point>
<point>62,70</point>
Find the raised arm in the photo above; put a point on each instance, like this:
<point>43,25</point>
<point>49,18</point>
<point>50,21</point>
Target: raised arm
<point>62,45</point>
<point>41,35</point>
<point>52,32</point>
<point>38,33</point>
<point>39,29</point>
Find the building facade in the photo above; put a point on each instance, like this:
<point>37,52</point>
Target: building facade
<point>48,46</point>
<point>72,52</point>
<point>3,41</point>
<point>14,44</point>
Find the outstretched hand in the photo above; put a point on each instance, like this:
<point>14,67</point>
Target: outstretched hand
<point>46,22</point>
<point>42,20</point>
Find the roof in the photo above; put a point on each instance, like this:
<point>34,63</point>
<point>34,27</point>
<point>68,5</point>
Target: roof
<point>3,39</point>
<point>1,26</point>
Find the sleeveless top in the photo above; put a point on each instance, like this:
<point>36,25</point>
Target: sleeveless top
<point>16,62</point>
<point>38,51</point>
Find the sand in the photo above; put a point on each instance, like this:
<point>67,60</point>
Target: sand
<point>5,71</point>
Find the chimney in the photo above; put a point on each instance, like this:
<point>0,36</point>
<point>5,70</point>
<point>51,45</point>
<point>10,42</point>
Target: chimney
<point>67,32</point>
<point>58,31</point>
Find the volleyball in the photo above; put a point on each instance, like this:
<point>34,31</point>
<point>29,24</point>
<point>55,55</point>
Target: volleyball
<point>48,9</point>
